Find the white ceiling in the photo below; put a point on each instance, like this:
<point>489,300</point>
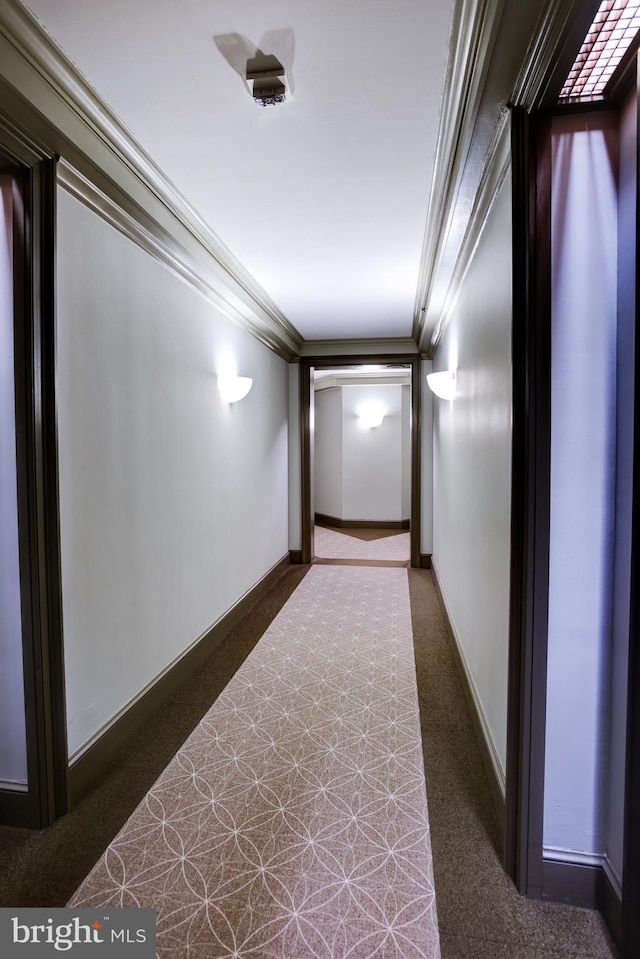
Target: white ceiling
<point>324,198</point>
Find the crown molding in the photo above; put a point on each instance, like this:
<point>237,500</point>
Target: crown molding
<point>475,23</point>
<point>45,94</point>
<point>498,51</point>
<point>146,234</point>
<point>497,166</point>
<point>365,347</point>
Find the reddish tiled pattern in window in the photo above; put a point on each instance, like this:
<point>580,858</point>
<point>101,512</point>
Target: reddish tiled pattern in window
<point>614,27</point>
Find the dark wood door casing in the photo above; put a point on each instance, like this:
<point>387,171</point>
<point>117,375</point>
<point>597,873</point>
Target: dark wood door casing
<point>334,362</point>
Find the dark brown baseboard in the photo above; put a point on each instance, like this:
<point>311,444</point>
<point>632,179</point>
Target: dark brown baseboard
<point>485,754</point>
<point>611,908</point>
<point>323,520</point>
<point>571,883</point>
<point>19,809</point>
<point>295,557</point>
<point>94,760</point>
<point>587,886</point>
<point>425,562</point>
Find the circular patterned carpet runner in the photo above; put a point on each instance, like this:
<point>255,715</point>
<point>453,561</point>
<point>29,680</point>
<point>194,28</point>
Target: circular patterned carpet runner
<point>293,821</point>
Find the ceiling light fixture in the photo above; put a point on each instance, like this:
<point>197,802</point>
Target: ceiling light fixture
<point>443,384</point>
<point>234,388</point>
<point>268,77</point>
<point>614,28</point>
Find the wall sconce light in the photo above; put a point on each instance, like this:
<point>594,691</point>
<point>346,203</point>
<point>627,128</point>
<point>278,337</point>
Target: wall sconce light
<point>443,384</point>
<point>234,388</point>
<point>370,417</point>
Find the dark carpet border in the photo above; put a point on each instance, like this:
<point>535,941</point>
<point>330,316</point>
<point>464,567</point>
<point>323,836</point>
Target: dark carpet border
<point>88,766</point>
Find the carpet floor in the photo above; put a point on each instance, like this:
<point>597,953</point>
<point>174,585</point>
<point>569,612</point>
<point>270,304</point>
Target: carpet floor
<point>480,914</point>
<point>293,821</point>
<point>337,544</point>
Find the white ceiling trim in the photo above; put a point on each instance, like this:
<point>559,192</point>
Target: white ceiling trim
<point>75,122</point>
<point>473,36</point>
<point>501,55</point>
<point>160,245</point>
<point>495,171</point>
<point>351,378</point>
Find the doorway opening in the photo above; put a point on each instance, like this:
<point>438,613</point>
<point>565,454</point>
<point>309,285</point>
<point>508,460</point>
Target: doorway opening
<point>360,460</point>
<point>13,744</point>
<point>33,757</point>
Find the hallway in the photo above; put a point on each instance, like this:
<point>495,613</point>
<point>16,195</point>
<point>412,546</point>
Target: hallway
<point>479,912</point>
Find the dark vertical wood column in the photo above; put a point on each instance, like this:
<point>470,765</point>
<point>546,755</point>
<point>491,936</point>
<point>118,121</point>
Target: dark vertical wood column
<point>631,869</point>
<point>531,450</point>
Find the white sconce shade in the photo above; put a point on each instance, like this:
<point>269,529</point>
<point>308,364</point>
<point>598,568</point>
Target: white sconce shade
<point>443,384</point>
<point>234,388</point>
<point>370,417</point>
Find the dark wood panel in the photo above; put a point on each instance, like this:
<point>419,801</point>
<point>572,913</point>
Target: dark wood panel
<point>37,499</point>
<point>631,869</point>
<point>530,506</point>
<point>572,884</point>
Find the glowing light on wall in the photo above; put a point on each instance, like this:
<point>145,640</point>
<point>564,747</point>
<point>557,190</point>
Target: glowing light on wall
<point>443,384</point>
<point>234,388</point>
<point>371,416</point>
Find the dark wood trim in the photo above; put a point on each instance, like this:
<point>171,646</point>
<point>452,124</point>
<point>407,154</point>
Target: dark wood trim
<point>577,107</point>
<point>483,746</point>
<point>49,516</point>
<point>416,461</point>
<point>587,886</point>
<point>94,760</point>
<point>17,809</point>
<point>624,78</point>
<point>425,560</point>
<point>573,884</point>
<point>610,906</point>
<point>321,519</point>
<point>307,363</point>
<point>530,506</point>
<point>631,867</point>
<point>577,26</point>
<point>295,557</point>
<point>37,485</point>
<point>306,452</point>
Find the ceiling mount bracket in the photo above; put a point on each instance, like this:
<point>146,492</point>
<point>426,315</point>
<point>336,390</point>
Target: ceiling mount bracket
<point>268,76</point>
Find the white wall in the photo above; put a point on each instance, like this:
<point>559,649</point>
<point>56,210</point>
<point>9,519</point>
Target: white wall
<point>373,469</point>
<point>13,742</point>
<point>584,263</point>
<point>472,472</point>
<point>172,504</point>
<point>327,442</point>
<point>363,473</point>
